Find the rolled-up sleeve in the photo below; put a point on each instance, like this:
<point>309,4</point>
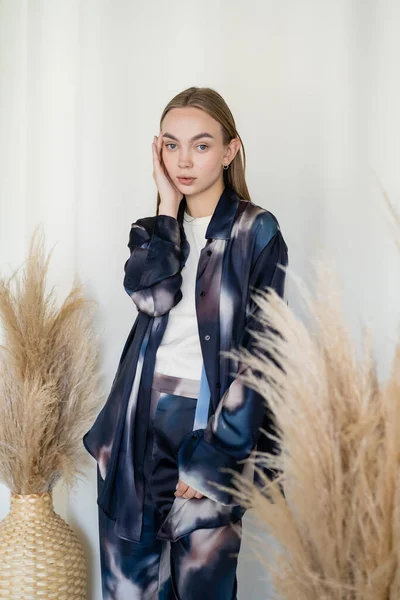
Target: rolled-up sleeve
<point>152,272</point>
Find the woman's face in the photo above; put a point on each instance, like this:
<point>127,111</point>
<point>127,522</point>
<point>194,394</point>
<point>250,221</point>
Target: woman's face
<point>192,147</point>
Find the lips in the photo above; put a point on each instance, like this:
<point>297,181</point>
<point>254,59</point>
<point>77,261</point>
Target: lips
<point>186,180</point>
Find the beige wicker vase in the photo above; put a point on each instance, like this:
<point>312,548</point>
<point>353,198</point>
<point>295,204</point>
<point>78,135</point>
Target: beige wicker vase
<point>40,555</point>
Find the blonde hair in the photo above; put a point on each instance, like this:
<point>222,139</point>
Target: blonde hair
<point>213,104</point>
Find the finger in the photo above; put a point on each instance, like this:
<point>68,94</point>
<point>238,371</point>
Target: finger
<point>156,159</point>
<point>155,146</point>
<point>190,493</point>
<point>159,150</point>
<point>159,145</point>
<point>181,488</point>
<point>198,495</point>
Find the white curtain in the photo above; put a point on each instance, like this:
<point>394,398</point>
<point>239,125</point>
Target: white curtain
<point>314,88</point>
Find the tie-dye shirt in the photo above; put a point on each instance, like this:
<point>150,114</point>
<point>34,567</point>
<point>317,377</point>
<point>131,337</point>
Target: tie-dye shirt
<point>244,251</point>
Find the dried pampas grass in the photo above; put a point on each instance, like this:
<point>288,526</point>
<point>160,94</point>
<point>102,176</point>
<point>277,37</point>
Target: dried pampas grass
<point>49,378</point>
<point>336,529</point>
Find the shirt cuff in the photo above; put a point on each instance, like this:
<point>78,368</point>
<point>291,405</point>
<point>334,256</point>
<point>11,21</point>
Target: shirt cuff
<point>201,465</point>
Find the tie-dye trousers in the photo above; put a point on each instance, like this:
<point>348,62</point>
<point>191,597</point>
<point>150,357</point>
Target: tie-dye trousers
<point>197,566</point>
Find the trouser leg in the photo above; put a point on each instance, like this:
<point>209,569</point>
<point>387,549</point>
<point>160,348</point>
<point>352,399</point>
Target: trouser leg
<point>130,570</point>
<point>203,564</point>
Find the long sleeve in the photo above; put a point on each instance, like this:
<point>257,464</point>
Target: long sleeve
<point>152,273</point>
<point>234,429</point>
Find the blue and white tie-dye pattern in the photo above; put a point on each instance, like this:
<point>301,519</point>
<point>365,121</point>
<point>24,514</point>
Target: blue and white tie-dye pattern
<point>158,568</point>
<point>243,251</point>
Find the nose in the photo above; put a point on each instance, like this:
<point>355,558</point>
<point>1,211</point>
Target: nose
<point>184,160</point>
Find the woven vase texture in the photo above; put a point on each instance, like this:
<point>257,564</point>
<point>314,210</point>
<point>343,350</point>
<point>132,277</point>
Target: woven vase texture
<point>40,555</point>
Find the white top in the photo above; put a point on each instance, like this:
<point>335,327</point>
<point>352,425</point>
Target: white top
<point>179,353</point>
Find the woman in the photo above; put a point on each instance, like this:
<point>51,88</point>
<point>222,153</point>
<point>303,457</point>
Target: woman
<point>179,419</point>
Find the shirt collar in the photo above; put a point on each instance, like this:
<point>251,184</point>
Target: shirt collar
<point>221,221</point>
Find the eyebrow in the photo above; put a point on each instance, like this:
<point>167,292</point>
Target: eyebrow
<point>195,137</point>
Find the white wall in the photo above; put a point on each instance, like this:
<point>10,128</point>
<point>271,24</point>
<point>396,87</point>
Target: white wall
<point>314,88</point>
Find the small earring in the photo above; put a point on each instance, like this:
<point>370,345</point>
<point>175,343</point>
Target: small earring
<point>226,167</point>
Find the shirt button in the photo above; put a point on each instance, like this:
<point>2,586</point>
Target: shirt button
<point>209,252</point>
<point>207,337</point>
<point>202,293</point>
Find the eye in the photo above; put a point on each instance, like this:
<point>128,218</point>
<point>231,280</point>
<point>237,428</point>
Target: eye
<point>204,145</point>
<point>170,144</point>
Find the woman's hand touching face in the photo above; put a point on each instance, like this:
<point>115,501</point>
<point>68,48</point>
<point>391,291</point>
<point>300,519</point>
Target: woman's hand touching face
<point>169,193</point>
<point>185,491</point>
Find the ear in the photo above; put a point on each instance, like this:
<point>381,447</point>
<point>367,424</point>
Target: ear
<point>233,148</point>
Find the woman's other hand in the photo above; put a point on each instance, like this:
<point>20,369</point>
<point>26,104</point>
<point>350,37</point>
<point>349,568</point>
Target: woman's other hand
<point>185,491</point>
<point>170,196</point>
